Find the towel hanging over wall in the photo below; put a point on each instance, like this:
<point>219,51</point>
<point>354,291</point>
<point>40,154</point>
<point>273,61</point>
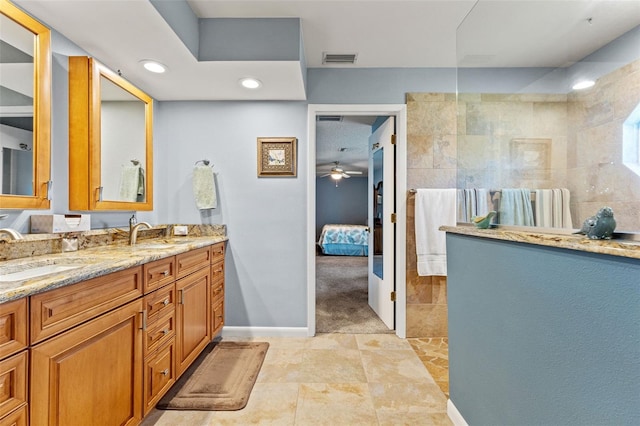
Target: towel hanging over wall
<point>515,207</point>
<point>204,188</point>
<point>132,183</point>
<point>434,208</point>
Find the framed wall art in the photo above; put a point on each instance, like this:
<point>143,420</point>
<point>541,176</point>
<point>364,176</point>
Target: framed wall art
<point>276,157</point>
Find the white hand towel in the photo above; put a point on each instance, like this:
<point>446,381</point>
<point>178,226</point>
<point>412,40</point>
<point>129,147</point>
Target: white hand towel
<point>204,188</point>
<point>434,208</point>
<point>130,182</point>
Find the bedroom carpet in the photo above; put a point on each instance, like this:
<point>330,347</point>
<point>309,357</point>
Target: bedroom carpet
<point>221,378</point>
<point>341,297</point>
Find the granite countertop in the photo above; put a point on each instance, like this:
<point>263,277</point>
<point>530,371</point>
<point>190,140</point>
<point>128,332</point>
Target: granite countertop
<point>563,239</point>
<point>93,262</point>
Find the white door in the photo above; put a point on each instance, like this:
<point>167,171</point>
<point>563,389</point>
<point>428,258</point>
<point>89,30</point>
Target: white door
<point>382,236</point>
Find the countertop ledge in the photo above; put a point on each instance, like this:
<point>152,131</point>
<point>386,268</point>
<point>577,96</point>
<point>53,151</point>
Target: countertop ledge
<point>95,262</point>
<point>614,247</point>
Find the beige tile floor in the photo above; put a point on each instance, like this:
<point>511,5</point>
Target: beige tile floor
<point>332,379</point>
<point>434,354</point>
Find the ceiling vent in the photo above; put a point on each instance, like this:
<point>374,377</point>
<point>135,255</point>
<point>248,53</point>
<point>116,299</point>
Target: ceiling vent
<point>339,58</point>
<point>329,118</point>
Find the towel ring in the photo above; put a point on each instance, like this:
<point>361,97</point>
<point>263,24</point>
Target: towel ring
<point>205,162</point>
<point>135,162</point>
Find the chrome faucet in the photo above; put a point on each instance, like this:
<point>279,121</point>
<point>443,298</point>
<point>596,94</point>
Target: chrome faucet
<point>15,235</point>
<point>133,229</point>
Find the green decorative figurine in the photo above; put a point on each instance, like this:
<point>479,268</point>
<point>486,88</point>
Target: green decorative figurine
<point>483,222</point>
<point>600,226</point>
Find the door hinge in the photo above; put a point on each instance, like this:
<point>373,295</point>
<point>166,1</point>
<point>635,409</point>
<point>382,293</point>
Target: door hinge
<point>393,139</point>
<point>393,296</point>
<point>393,218</point>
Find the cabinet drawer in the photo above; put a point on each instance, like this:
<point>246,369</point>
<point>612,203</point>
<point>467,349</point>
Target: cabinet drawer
<point>217,292</point>
<point>13,327</point>
<point>217,252</point>
<point>159,375</point>
<point>60,309</point>
<point>217,272</point>
<point>18,418</point>
<point>160,302</point>
<point>218,318</point>
<point>159,273</point>
<point>13,382</point>
<point>159,332</point>
<point>193,260</point>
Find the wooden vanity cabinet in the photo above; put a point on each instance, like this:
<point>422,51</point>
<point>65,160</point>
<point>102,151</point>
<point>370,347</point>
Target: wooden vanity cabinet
<point>110,347</point>
<point>93,371</point>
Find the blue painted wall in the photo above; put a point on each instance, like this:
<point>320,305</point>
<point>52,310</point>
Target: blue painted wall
<point>345,203</point>
<point>542,336</point>
<point>265,274</point>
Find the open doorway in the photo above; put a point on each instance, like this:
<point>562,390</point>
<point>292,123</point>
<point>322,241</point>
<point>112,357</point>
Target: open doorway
<point>345,204</point>
<point>347,269</point>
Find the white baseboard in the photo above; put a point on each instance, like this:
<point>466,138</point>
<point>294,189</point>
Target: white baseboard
<point>264,332</point>
<point>454,415</point>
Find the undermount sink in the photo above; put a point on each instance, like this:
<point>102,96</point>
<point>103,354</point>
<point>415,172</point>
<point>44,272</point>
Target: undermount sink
<point>36,272</point>
<point>160,245</point>
<point>40,268</point>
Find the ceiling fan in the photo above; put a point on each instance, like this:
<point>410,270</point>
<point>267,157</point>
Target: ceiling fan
<point>338,172</point>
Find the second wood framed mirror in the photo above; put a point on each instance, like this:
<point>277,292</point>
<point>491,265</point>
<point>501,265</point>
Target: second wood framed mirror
<point>110,140</point>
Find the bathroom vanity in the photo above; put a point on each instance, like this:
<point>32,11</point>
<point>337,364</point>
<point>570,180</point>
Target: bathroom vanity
<point>101,343</point>
<point>543,328</point>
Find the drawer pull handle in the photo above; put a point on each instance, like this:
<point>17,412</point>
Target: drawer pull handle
<point>165,302</point>
<point>165,273</point>
<point>165,372</point>
<point>165,332</point>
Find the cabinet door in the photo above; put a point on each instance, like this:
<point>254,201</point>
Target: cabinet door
<point>91,374</point>
<point>193,317</point>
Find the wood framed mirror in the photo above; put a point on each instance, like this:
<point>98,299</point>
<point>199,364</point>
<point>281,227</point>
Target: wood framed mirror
<point>25,110</point>
<point>110,140</point>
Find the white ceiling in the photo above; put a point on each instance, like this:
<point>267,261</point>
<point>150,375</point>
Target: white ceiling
<point>383,33</point>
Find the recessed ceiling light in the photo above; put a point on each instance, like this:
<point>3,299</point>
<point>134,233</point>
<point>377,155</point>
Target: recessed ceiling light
<point>584,84</point>
<point>250,83</point>
<point>153,66</point>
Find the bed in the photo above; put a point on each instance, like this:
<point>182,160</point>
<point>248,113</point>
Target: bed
<point>344,240</point>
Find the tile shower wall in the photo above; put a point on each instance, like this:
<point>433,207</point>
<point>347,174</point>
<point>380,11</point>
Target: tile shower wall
<point>596,175</point>
<point>431,163</point>
<point>518,141</point>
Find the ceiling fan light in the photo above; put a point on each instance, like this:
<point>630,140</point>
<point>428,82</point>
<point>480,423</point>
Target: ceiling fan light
<point>336,176</point>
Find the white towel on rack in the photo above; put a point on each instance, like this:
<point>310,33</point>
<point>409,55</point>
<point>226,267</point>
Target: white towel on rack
<point>544,212</point>
<point>204,188</point>
<point>434,208</point>
<point>131,183</point>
